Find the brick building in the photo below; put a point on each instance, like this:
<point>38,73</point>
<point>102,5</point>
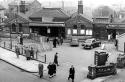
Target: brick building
<point>49,22</point>
<point>79,25</point>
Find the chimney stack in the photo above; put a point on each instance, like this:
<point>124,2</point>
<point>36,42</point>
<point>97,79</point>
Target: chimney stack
<point>80,7</point>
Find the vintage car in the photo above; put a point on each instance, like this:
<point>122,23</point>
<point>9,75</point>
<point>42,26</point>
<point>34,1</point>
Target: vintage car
<point>91,43</point>
<point>74,42</point>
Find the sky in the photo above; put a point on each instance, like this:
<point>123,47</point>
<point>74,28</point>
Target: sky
<point>73,3</point>
<point>89,3</point>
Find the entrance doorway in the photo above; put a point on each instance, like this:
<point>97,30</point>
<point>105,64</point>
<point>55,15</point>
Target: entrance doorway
<point>112,32</point>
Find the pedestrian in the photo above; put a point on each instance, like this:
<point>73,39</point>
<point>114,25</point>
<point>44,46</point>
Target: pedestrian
<point>56,59</point>
<point>27,52</point>
<point>58,40</point>
<point>37,51</point>
<point>54,42</point>
<point>18,39</point>
<point>54,69</point>
<point>17,50</point>
<point>116,44</point>
<point>71,73</point>
<point>50,70</point>
<point>21,40</point>
<point>40,67</point>
<point>47,39</point>
<point>61,40</point>
<point>32,53</point>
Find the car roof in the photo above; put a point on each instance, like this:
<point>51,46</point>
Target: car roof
<point>90,39</point>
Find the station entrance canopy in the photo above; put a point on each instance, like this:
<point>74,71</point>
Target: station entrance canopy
<point>116,26</point>
<point>53,24</point>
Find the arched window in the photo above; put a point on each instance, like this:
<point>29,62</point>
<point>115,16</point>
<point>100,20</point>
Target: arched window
<point>13,28</point>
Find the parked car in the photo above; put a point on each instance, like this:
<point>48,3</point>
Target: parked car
<point>74,42</point>
<point>91,43</point>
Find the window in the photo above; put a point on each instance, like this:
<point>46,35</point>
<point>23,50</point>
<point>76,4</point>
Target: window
<point>82,31</point>
<point>74,26</point>
<point>89,32</point>
<point>20,27</point>
<point>69,31</point>
<point>48,30</point>
<point>74,31</point>
<point>13,28</point>
<point>83,26</point>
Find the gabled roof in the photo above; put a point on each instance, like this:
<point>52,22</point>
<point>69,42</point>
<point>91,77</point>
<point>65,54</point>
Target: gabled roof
<point>82,15</point>
<point>30,12</point>
<point>78,19</point>
<point>35,1</point>
<point>20,17</point>
<point>50,12</point>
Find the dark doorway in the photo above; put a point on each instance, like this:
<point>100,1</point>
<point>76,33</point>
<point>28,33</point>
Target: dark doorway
<point>112,32</point>
<point>13,29</point>
<point>54,32</point>
<point>42,31</point>
<point>20,27</point>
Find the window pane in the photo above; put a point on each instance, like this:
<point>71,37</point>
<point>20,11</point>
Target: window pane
<point>69,31</point>
<point>82,31</point>
<point>74,31</point>
<point>74,26</point>
<point>83,26</point>
<point>88,32</point>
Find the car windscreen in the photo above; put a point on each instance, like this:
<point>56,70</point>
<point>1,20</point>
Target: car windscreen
<point>88,41</point>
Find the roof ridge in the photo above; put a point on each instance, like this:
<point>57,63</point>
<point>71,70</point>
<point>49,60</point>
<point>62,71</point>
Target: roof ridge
<point>63,11</point>
<point>85,17</point>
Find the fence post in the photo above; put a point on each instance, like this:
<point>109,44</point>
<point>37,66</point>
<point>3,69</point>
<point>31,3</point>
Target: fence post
<point>4,44</point>
<point>36,53</point>
<point>45,58</point>
<point>22,51</point>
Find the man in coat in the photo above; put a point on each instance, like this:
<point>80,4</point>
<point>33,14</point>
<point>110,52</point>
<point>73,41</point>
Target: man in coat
<point>54,42</point>
<point>17,50</point>
<point>54,69</point>
<point>21,39</point>
<point>50,70</point>
<point>27,52</point>
<point>61,40</point>
<point>40,67</point>
<point>32,53</point>
<point>56,59</point>
<point>71,73</point>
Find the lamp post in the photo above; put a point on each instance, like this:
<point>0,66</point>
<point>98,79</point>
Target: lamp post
<point>10,38</point>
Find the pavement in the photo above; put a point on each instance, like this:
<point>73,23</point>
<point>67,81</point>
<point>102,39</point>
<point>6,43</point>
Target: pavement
<point>21,62</point>
<point>68,56</point>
